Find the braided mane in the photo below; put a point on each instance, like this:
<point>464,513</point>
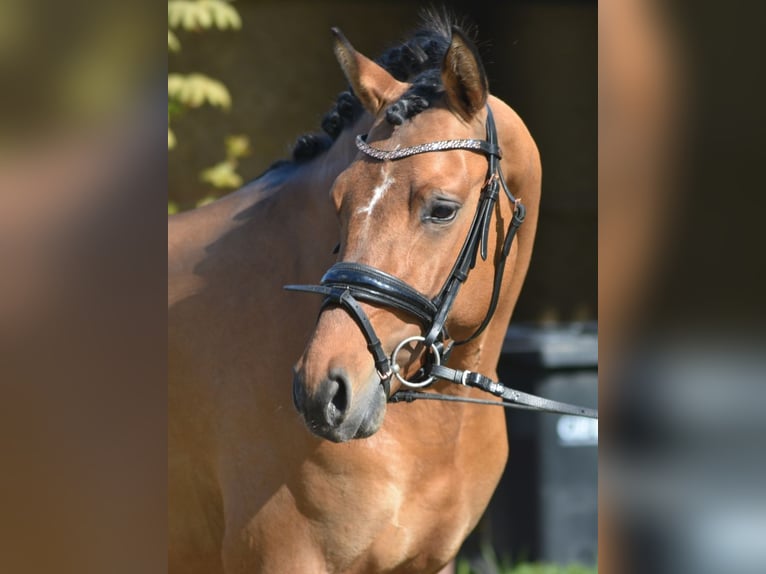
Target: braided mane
<point>416,61</point>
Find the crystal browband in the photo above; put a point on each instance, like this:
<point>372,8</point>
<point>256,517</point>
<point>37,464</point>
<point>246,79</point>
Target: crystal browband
<point>385,155</point>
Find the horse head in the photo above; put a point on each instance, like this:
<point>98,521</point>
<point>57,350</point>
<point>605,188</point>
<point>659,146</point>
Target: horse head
<point>405,213</point>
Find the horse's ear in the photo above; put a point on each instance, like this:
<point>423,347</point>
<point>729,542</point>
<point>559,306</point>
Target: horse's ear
<point>463,76</point>
<point>371,83</point>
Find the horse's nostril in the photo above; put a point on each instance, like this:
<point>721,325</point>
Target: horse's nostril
<point>338,396</point>
<point>329,404</point>
<point>340,400</point>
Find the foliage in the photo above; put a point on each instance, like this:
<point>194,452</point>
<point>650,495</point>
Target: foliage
<point>224,174</point>
<point>489,563</point>
<point>195,15</point>
<point>464,567</point>
<point>194,90</point>
<point>173,44</point>
<point>190,91</point>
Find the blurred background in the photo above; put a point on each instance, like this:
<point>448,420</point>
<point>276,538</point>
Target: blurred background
<point>245,84</point>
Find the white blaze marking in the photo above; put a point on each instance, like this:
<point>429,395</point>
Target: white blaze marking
<point>379,191</point>
<point>377,194</point>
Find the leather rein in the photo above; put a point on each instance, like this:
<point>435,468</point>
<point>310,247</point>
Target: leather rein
<point>346,283</point>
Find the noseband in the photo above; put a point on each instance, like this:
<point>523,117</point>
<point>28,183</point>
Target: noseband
<point>346,283</point>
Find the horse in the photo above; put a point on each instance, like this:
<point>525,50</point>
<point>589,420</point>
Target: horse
<point>284,452</point>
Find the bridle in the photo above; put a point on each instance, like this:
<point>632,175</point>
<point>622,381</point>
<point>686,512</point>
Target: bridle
<point>345,284</point>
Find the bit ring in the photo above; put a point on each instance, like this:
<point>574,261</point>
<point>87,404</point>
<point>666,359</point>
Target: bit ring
<point>399,347</point>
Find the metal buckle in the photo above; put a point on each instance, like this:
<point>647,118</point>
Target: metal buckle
<point>385,376</point>
<point>395,366</point>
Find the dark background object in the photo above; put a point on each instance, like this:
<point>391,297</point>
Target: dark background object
<point>545,507</point>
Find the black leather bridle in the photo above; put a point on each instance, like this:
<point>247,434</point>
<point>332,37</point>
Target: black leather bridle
<point>346,284</point>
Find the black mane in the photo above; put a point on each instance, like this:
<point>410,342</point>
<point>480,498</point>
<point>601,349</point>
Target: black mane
<point>416,61</point>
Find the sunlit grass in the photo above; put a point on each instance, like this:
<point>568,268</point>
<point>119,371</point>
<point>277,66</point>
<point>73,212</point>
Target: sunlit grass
<point>489,563</point>
<point>464,567</point>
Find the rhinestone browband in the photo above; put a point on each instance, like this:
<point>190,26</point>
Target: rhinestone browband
<point>470,144</point>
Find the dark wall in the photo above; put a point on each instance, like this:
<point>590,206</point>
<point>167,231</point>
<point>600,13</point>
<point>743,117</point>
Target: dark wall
<point>540,57</point>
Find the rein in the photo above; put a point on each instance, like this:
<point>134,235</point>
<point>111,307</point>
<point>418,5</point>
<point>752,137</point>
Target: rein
<point>345,284</point>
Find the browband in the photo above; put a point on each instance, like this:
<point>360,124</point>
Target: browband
<point>488,148</point>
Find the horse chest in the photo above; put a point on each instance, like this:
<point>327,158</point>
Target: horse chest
<point>400,515</point>
<point>388,530</point>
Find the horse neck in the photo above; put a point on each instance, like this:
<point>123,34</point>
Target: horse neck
<point>482,354</point>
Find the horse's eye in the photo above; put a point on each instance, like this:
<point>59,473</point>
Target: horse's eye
<point>442,212</point>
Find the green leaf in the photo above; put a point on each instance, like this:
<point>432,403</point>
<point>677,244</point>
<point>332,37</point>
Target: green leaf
<point>173,44</point>
<point>226,16</point>
<point>194,90</point>
<point>222,175</point>
<point>237,146</point>
<point>203,14</point>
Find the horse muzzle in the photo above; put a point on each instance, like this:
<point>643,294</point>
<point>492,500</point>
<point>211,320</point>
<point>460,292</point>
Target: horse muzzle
<point>331,410</point>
